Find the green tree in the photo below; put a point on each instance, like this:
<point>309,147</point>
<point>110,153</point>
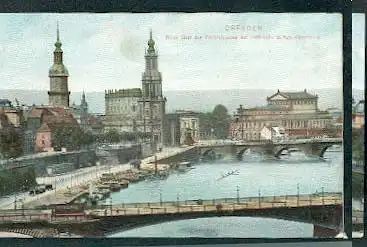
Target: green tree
<point>111,136</point>
<point>62,137</point>
<point>221,120</point>
<point>11,142</point>
<point>206,123</point>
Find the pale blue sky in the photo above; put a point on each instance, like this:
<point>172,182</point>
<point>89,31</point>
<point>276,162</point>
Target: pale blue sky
<point>106,51</point>
<point>358,36</point>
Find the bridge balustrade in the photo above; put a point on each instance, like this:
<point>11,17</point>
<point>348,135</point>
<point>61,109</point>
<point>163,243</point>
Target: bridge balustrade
<point>24,218</point>
<point>221,204</point>
<point>269,199</point>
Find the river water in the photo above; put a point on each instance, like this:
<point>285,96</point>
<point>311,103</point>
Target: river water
<point>256,175</point>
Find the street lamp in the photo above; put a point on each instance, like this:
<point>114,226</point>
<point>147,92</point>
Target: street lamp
<point>322,195</point>
<point>259,198</point>
<point>22,201</point>
<point>111,204</point>
<point>160,198</point>
<point>15,201</point>
<point>297,194</point>
<point>238,194</point>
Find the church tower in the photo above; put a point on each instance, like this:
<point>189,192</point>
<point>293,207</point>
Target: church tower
<point>59,92</point>
<point>153,104</point>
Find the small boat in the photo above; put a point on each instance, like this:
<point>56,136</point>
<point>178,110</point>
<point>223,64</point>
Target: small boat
<point>115,187</point>
<point>124,184</point>
<point>234,172</point>
<point>185,163</point>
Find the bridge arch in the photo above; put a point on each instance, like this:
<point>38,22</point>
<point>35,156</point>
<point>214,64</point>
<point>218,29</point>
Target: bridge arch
<point>209,154</point>
<point>279,151</point>
<point>240,153</point>
<point>305,217</point>
<point>324,148</point>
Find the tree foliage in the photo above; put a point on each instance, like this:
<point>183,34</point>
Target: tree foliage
<point>71,138</point>
<point>114,136</point>
<point>11,142</point>
<point>218,120</point>
<point>17,180</point>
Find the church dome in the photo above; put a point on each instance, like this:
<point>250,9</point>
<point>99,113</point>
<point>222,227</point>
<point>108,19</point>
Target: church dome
<point>58,70</point>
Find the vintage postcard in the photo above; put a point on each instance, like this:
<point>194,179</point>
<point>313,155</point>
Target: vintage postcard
<point>358,82</point>
<point>171,125</point>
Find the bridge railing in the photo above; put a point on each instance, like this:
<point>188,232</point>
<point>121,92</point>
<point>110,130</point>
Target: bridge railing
<point>12,218</point>
<point>215,205</point>
<point>310,199</point>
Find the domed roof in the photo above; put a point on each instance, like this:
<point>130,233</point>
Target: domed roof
<point>58,70</point>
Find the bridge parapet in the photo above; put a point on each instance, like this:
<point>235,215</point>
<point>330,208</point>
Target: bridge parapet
<point>202,205</point>
<point>314,147</point>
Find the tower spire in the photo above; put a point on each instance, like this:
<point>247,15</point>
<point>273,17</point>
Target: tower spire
<point>58,42</point>
<point>58,33</point>
<point>151,43</point>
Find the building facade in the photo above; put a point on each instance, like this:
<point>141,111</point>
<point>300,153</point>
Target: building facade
<point>189,126</point>
<point>139,109</point>
<point>297,112</point>
<point>273,133</point>
<point>59,92</point>
<point>181,128</point>
<point>123,110</point>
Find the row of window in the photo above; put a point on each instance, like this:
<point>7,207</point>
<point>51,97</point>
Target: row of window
<point>187,124</point>
<point>286,123</point>
<point>121,108</point>
<point>294,102</point>
<point>248,136</point>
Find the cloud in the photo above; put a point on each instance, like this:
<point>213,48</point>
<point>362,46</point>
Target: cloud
<point>105,51</point>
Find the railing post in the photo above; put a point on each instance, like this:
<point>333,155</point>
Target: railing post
<point>238,194</point>
<point>259,199</point>
<point>298,194</point>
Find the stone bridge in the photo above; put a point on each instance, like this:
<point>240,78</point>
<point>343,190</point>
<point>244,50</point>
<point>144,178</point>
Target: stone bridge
<point>311,147</point>
<point>322,210</point>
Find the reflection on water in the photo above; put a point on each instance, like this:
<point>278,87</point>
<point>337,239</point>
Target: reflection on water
<point>256,175</point>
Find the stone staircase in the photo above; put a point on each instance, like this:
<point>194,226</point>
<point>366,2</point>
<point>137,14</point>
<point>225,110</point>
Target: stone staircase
<point>36,233</point>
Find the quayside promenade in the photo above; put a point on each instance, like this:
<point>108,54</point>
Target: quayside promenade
<point>69,187</point>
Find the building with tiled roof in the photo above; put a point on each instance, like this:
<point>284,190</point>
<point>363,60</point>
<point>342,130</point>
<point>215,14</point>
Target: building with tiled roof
<point>48,134</point>
<point>297,112</point>
<point>358,115</point>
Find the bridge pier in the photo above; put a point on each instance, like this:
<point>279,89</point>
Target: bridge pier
<point>323,232</point>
